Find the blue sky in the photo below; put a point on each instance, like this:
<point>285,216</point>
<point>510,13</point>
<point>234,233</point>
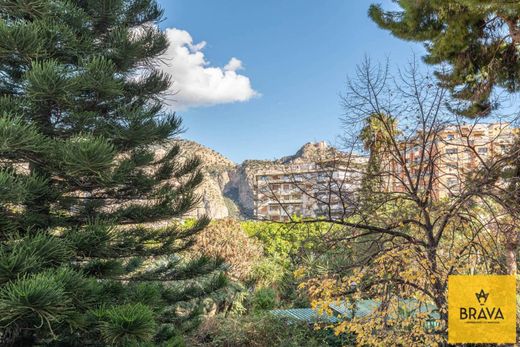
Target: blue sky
<point>296,55</point>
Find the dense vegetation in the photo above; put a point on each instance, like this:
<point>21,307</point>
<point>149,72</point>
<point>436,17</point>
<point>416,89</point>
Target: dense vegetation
<point>265,261</point>
<point>95,249</point>
<point>81,185</point>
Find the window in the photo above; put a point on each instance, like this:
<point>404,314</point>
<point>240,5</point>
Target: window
<point>322,175</point>
<point>274,208</point>
<point>298,178</point>
<point>296,197</point>
<point>450,137</point>
<point>482,150</point>
<point>451,151</point>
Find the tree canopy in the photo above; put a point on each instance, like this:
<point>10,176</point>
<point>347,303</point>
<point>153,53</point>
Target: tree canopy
<point>477,39</point>
<point>82,184</point>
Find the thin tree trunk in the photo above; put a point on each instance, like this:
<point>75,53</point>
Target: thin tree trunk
<point>511,252</point>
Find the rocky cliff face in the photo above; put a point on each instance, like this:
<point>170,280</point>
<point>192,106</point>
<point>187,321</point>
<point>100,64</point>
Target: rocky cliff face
<point>240,188</point>
<point>218,171</point>
<point>227,190</point>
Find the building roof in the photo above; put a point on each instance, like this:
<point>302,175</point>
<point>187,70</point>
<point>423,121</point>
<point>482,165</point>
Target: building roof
<point>308,315</point>
<point>344,311</point>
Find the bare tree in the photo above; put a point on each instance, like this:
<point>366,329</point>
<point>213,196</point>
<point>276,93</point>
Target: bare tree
<point>430,197</point>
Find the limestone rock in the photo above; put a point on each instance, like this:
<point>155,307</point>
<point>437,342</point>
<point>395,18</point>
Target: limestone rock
<point>228,188</point>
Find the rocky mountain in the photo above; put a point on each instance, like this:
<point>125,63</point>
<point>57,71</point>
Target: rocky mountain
<point>311,151</point>
<point>227,190</point>
<point>218,171</point>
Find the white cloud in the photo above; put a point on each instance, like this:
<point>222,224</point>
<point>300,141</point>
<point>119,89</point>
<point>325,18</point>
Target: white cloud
<point>233,65</point>
<point>195,81</point>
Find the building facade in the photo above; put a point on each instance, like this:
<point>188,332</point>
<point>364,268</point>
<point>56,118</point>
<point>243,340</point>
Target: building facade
<point>441,162</point>
<point>446,164</point>
<point>307,189</point>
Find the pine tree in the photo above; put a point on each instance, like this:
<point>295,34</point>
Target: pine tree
<point>479,40</point>
<point>81,186</point>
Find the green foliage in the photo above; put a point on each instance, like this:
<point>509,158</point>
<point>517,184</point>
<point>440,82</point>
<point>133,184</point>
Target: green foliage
<point>287,240</point>
<point>28,255</point>
<point>84,156</point>
<point>263,330</point>
<point>38,300</point>
<point>92,239</point>
<point>268,272</point>
<point>127,324</point>
<point>264,299</point>
<point>47,83</point>
<point>478,39</point>
<point>18,189</point>
<point>289,248</point>
<point>18,137</point>
<point>78,173</point>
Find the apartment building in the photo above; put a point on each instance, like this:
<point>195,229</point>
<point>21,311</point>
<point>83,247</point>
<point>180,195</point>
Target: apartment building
<point>457,151</point>
<point>327,186</point>
<point>306,189</point>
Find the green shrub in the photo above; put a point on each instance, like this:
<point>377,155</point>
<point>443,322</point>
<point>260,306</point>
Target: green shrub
<point>264,299</point>
<point>289,243</point>
<point>259,330</point>
<point>287,247</point>
<point>31,254</point>
<point>126,324</point>
<point>269,272</point>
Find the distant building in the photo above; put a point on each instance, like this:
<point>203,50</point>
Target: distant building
<point>458,150</point>
<point>312,186</point>
<point>307,189</point>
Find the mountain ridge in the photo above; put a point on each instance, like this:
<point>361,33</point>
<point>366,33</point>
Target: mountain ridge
<point>227,189</point>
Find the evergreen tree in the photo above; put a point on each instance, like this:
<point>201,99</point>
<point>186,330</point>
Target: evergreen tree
<point>81,186</point>
<point>479,40</point>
